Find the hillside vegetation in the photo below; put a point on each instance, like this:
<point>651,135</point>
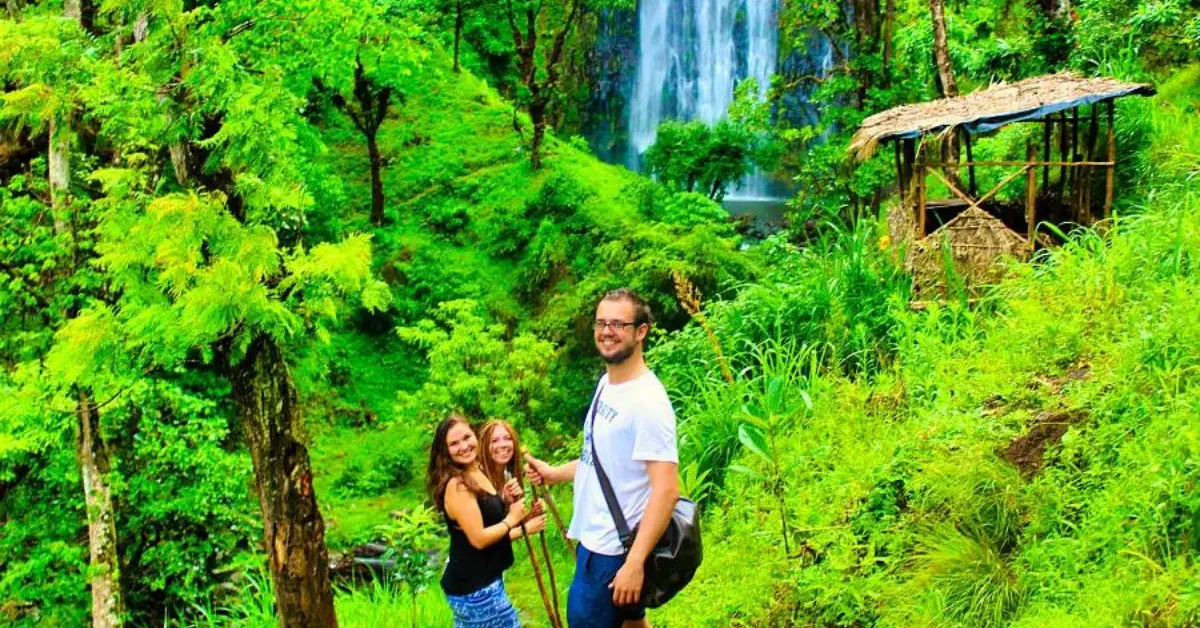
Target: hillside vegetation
<point>217,326</point>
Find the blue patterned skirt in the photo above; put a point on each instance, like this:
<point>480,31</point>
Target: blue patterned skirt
<point>488,607</point>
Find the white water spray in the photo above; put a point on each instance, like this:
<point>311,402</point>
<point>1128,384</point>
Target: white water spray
<point>689,63</point>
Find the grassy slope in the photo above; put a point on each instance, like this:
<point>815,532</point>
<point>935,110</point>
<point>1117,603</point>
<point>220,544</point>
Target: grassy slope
<point>907,507</point>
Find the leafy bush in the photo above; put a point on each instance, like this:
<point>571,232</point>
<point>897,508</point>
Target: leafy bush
<point>475,370</point>
<point>358,479</point>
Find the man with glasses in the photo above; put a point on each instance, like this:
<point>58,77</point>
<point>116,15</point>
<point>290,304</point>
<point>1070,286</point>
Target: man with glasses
<point>631,424</point>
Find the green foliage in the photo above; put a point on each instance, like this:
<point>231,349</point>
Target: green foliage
<point>694,157</point>
<point>1023,462</point>
<point>475,370</point>
<point>389,471</point>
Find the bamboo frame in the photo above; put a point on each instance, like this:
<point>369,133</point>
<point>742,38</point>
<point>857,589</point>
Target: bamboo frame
<point>976,203</point>
<point>1112,158</point>
<point>1074,186</point>
<point>1031,196</point>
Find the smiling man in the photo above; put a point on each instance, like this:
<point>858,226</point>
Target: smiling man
<point>632,426</point>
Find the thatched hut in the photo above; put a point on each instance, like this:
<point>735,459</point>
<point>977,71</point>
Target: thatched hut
<point>979,228</point>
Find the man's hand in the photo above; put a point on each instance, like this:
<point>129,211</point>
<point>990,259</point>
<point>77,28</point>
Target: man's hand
<point>627,585</point>
<point>538,472</point>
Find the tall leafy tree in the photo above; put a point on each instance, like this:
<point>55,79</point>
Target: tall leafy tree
<point>368,109</point>
<point>47,61</point>
<point>528,21</point>
<point>211,266</point>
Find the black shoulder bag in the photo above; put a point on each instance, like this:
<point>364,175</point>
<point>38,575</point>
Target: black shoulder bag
<point>676,556</point>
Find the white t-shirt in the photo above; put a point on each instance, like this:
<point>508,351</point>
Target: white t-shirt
<point>634,424</point>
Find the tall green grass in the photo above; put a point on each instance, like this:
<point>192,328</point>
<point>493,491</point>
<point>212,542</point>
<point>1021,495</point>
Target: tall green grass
<point>372,605</point>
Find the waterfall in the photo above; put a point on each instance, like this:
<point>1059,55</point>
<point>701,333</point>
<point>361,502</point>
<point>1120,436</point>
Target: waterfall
<point>691,55</point>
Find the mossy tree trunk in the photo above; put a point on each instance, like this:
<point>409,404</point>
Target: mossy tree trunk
<point>104,572</point>
<point>59,171</point>
<point>293,530</point>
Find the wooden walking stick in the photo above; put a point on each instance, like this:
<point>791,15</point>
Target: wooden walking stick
<point>551,613</point>
<point>550,570</point>
<point>549,499</point>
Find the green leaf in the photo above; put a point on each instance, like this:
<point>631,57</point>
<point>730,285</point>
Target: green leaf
<point>747,471</point>
<point>377,296</point>
<point>753,439</point>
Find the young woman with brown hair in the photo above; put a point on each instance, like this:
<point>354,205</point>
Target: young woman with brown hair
<point>481,520</point>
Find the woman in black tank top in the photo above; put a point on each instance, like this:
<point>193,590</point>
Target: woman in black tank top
<point>481,523</point>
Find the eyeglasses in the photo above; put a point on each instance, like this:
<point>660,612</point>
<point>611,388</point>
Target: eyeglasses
<point>616,326</point>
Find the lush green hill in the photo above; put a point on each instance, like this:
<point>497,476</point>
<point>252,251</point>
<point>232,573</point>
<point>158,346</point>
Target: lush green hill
<point>469,220</point>
<point>1030,461</point>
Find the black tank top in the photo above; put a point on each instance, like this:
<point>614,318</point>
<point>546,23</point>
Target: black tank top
<point>469,569</point>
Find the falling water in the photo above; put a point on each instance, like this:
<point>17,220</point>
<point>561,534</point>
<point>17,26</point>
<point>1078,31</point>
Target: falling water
<point>692,53</point>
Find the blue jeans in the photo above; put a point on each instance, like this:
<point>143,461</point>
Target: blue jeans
<point>590,603</point>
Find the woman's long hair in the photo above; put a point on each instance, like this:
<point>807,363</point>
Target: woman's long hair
<point>442,467</point>
<point>492,469</point>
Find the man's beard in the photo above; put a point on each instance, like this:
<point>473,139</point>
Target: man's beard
<point>621,355</point>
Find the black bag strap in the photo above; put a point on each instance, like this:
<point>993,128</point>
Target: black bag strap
<point>609,496</point>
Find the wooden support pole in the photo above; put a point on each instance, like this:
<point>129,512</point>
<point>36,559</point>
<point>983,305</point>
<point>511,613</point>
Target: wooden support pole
<point>901,184</point>
<point>1062,154</point>
<point>1073,175</point>
<point>1112,158</point>
<point>909,161</point>
<point>970,165</point>
<point>921,192</point>
<point>1047,132</point>
<point>1093,131</point>
<point>1031,193</point>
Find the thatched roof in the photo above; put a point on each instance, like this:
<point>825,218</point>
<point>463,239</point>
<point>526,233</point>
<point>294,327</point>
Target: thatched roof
<point>991,108</point>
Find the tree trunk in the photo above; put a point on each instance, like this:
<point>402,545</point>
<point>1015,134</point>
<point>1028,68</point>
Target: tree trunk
<point>59,167</point>
<point>179,161</point>
<point>376,180</point>
<point>537,115</point>
<point>889,36</point>
<point>941,53</point>
<point>293,530</point>
<point>14,9</point>
<point>73,9</point>
<point>104,573</point>
<point>458,28</point>
<point>947,85</point>
<point>866,42</point>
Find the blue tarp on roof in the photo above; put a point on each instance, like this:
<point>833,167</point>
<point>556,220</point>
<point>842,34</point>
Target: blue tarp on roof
<point>985,124</point>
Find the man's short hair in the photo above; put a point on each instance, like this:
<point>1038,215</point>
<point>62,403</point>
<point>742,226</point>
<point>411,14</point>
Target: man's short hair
<point>641,310</point>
